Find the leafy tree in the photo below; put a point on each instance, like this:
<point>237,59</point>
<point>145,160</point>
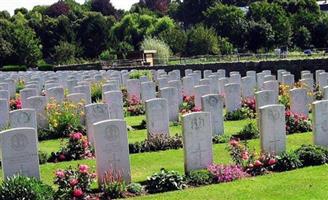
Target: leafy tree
<point>4,15</point>
<point>133,28</point>
<point>65,52</point>
<point>320,32</point>
<point>163,24</point>
<point>296,6</point>
<point>57,9</point>
<point>24,11</point>
<point>105,7</point>
<point>6,50</point>
<point>225,46</point>
<point>93,34</point>
<point>192,10</point>
<point>276,16</point>
<point>260,35</point>
<point>302,38</point>
<point>228,21</point>
<point>161,6</point>
<point>176,39</point>
<point>202,41</point>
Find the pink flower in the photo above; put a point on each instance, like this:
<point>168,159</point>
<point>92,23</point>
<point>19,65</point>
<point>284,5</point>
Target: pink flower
<point>233,143</point>
<point>84,169</point>
<point>78,193</point>
<point>272,161</point>
<point>73,182</point>
<point>61,157</point>
<point>258,163</point>
<point>60,174</point>
<point>245,155</point>
<point>77,136</point>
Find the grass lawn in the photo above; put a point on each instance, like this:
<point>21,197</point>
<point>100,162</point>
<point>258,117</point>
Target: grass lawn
<point>276,186</point>
<point>307,183</point>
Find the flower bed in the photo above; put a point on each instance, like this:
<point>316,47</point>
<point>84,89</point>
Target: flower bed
<point>296,123</point>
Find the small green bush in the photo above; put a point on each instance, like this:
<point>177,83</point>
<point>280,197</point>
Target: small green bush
<point>14,68</point>
<point>250,131</point>
<point>287,161</point>
<point>219,139</point>
<point>311,155</point>
<point>19,187</point>
<point>236,115</point>
<point>45,67</point>
<point>43,157</point>
<point>165,181</point>
<point>107,55</point>
<point>134,188</point>
<point>200,177</point>
<point>139,73</point>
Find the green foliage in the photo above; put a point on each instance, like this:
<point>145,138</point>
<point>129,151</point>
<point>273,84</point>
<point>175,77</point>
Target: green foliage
<point>19,187</point>
<point>14,68</point>
<point>43,157</point>
<point>219,139</point>
<point>202,41</point>
<point>107,55</point>
<point>250,131</point>
<point>302,38</point>
<point>312,155</point>
<point>45,67</point>
<point>96,92</point>
<point>200,177</point>
<point>139,73</point>
<point>163,51</point>
<point>165,181</point>
<point>236,115</point>
<point>260,35</point>
<point>134,188</point>
<point>65,53</point>
<point>176,38</point>
<point>287,161</point>
<point>158,142</point>
<point>228,21</point>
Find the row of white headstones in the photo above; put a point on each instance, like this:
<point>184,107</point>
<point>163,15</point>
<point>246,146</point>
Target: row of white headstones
<point>108,133</point>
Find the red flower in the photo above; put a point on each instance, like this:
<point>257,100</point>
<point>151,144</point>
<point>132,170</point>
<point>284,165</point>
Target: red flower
<point>258,163</point>
<point>60,174</point>
<point>84,169</point>
<point>77,193</point>
<point>77,136</point>
<point>272,161</point>
<point>73,182</point>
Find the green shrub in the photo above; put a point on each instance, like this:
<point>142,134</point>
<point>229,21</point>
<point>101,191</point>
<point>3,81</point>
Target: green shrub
<point>287,161</point>
<point>14,68</point>
<point>200,177</point>
<point>236,115</point>
<point>96,92</point>
<point>139,73</point>
<point>311,155</point>
<point>163,51</point>
<point>158,142</point>
<point>176,38</point>
<point>19,187</point>
<point>65,53</point>
<point>134,188</point>
<point>202,41</point>
<point>250,131</point>
<point>219,139</point>
<point>165,181</point>
<point>43,157</point>
<point>107,55</point>
<point>114,185</point>
<point>45,67</point>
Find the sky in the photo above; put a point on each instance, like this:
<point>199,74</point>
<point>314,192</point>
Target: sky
<point>11,5</point>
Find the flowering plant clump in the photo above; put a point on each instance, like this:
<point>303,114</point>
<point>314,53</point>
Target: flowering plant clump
<point>15,104</point>
<point>65,118</point>
<point>135,107</point>
<point>74,184</point>
<point>125,97</point>
<point>249,160</point>
<point>318,94</point>
<point>113,185</point>
<point>188,105</point>
<point>250,103</point>
<point>96,91</point>
<point>20,85</point>
<point>226,173</point>
<point>297,123</point>
<point>77,148</point>
<point>240,114</point>
<point>284,95</point>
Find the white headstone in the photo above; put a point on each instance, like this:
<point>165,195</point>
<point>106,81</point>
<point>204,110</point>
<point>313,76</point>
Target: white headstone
<point>114,100</point>
<point>213,103</point>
